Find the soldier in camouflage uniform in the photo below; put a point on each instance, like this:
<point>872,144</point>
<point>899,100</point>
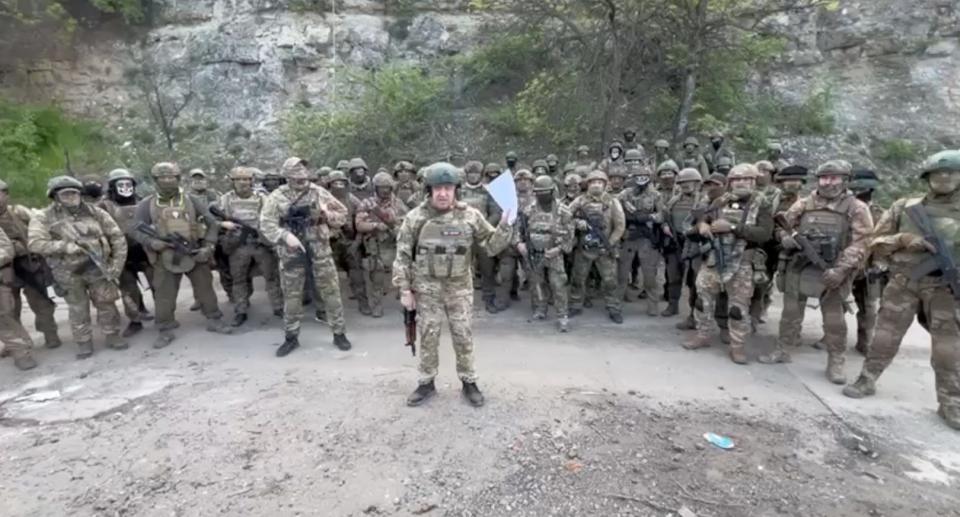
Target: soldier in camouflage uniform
<point>359,175</point>
<point>583,158</point>
<point>716,150</point>
<point>86,251</point>
<point>297,218</point>
<point>643,214</point>
<point>837,226</point>
<point>509,259</point>
<point>917,281</point>
<point>614,156</point>
<point>617,174</point>
<point>870,280</point>
<point>323,177</point>
<point>121,203</point>
<point>14,220</point>
<point>661,152</point>
<point>666,178</point>
<point>630,142</point>
<point>433,271</point>
<point>775,156</point>
<point>677,223</point>
<point>473,193</point>
<point>168,213</point>
<point>92,191</point>
<point>405,175</point>
<point>272,181</point>
<point>600,221</point>
<point>511,162</point>
<point>692,157</point>
<point>736,223</point>
<point>762,293</point>
<point>247,250</point>
<point>548,236</point>
<point>200,188</point>
<point>346,243</point>
<point>14,339</point>
<point>553,167</point>
<point>378,219</point>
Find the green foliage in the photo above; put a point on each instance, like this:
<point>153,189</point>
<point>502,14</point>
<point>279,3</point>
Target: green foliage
<point>896,152</point>
<point>38,142</point>
<point>131,10</point>
<point>506,61</point>
<point>396,107</point>
<point>308,6</point>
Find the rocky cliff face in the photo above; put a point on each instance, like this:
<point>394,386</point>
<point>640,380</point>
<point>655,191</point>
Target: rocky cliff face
<point>892,66</point>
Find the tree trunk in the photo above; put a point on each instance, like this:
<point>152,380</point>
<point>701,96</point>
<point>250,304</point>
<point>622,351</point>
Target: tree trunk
<point>687,92</point>
<point>698,20</point>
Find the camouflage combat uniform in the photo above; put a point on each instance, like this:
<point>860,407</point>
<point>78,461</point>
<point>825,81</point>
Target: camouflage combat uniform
<point>13,337</point>
<point>378,219</point>
<point>476,196</point>
<point>346,244</point>
<point>643,212</point>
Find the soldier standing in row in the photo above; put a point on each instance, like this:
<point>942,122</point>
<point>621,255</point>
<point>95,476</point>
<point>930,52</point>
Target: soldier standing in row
<point>827,233</point>
<point>360,184</point>
<point>692,158</point>
<point>245,246</point>
<point>200,189</point>
<point>762,293</point>
<point>121,203</point>
<point>918,279</point>
<point>600,220</point>
<point>297,219</point>
<point>406,176</point>
<point>433,271</point>
<point>86,251</point>
<point>870,280</point>
<point>735,224</point>
<point>346,243</point>
<point>666,178</point>
<point>177,244</point>
<point>677,220</point>
<point>548,234</point>
<point>661,153</point>
<point>14,339</point>
<point>717,150</point>
<point>474,194</point>
<point>378,219</point>
<point>643,214</point>
<point>30,271</point>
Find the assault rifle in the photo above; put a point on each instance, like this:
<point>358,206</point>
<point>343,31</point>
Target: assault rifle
<point>942,260</point>
<point>69,234</point>
<point>594,239</point>
<point>180,245</point>
<point>297,221</point>
<point>821,252</point>
<point>246,231</point>
<point>25,270</point>
<point>534,258</point>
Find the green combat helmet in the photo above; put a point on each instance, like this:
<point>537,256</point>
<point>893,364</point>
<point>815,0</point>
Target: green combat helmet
<point>239,173</point>
<point>597,175</point>
<point>383,179</point>
<point>336,175</point>
<point>539,167</point>
<point>942,161</point>
<point>691,140</point>
<point>834,168</point>
<point>864,180</point>
<point>491,169</point>
<point>58,183</point>
<point>357,163</point>
<point>120,174</point>
<point>324,172</point>
<point>165,169</point>
<point>572,179</point>
<point>523,174</point>
<point>689,174</point>
<point>667,166</point>
<point>633,155</point>
<point>441,173</point>
<point>661,144</point>
<point>793,172</point>
<point>543,183</point>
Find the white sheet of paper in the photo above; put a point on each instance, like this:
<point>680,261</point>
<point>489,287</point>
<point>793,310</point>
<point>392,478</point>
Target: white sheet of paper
<point>503,190</point>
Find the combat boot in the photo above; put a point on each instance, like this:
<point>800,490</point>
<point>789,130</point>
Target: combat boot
<point>862,387</point>
<point>145,315</point>
<point>738,354</point>
<point>376,311</point>
<point>539,314</point>
<point>950,415</point>
<point>574,312</point>
<point>472,394</point>
<point>688,323</point>
<point>835,373</point>
<point>84,349</point>
<point>238,319</point>
<point>291,342</point>
<point>195,307</point>
<point>562,324</point>
<point>725,336</point>
<point>132,329</point>
<point>340,341</point>
<point>775,357</point>
<point>671,310</point>
<point>115,342</point>
<point>490,304</point>
<point>217,326</point>
<point>653,307</point>
<point>52,340</point>
<point>697,341</point>
<point>279,313</point>
<point>163,340</point>
<point>615,316</point>
<point>421,394</point>
<point>365,309</point>
<point>24,361</point>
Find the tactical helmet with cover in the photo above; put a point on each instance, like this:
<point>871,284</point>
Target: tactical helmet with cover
<point>58,183</point>
<point>543,183</point>
<point>120,174</point>
<point>942,161</point>
<point>689,174</point>
<point>441,173</point>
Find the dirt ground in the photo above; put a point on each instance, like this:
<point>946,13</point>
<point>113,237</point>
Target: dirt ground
<point>606,420</point>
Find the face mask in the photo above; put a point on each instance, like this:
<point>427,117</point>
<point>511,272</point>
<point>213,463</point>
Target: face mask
<point>93,190</point>
<point>641,182</point>
<point>763,180</point>
<point>199,185</point>
<point>545,199</point>
<point>125,188</point>
<point>573,190</point>
<point>552,167</point>
<point>384,192</point>
<point>358,175</point>
<point>866,196</point>
<point>667,181</point>
<point>723,170</point>
<point>511,163</point>
<point>629,137</point>
<point>271,184</point>
<point>168,187</point>
<point>338,189</point>
<point>716,144</point>
<point>741,191</point>
<point>791,187</point>
<point>243,187</point>
<point>944,183</point>
<point>595,190</point>
<point>615,154</point>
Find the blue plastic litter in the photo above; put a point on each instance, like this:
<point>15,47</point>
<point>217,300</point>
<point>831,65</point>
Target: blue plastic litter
<point>723,442</point>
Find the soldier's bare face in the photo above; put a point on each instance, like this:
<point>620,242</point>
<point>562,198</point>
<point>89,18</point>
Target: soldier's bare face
<point>243,185</point>
<point>69,197</point>
<point>442,197</point>
<point>199,184</point>
<point>826,181</point>
<point>298,183</point>
<point>944,182</point>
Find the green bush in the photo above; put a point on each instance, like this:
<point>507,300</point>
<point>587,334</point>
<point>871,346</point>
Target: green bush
<point>896,152</point>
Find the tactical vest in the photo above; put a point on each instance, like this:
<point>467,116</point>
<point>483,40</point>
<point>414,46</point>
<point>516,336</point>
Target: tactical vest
<point>738,213</point>
<point>362,191</point>
<point>691,162</point>
<point>176,216</point>
<point>679,211</point>
<point>15,229</point>
<point>946,222</point>
<point>405,191</point>
<point>827,229</point>
<point>245,210</point>
<point>86,229</point>
<point>444,246</point>
<point>475,196</point>
<point>540,225</point>
<point>383,244</point>
<point>646,204</point>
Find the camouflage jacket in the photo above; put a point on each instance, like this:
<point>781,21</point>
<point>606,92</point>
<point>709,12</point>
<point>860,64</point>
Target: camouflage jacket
<point>885,243</point>
<point>644,209</point>
<point>697,161</point>
<point>90,227</point>
<point>14,221</point>
<point>545,230</point>
<point>465,223</point>
<point>363,191</point>
<point>858,217</point>
<point>326,213</point>
<point>6,250</point>
<point>614,222</point>
<point>378,221</point>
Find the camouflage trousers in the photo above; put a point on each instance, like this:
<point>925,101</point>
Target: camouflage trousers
<point>866,294</point>
<point>41,306</point>
<point>349,259</point>
<point>451,299</point>
<point>242,262</point>
<point>831,308</point>
<point>326,285</point>
<point>82,290</point>
<point>607,266</point>
<point>487,267</point>
<point>13,337</point>
<point>680,273</point>
<point>377,275</point>
<point>549,274</point>
<point>738,289</point>
<point>508,261</point>
<point>131,298</point>
<point>902,298</point>
<point>166,287</point>
<point>649,258</point>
